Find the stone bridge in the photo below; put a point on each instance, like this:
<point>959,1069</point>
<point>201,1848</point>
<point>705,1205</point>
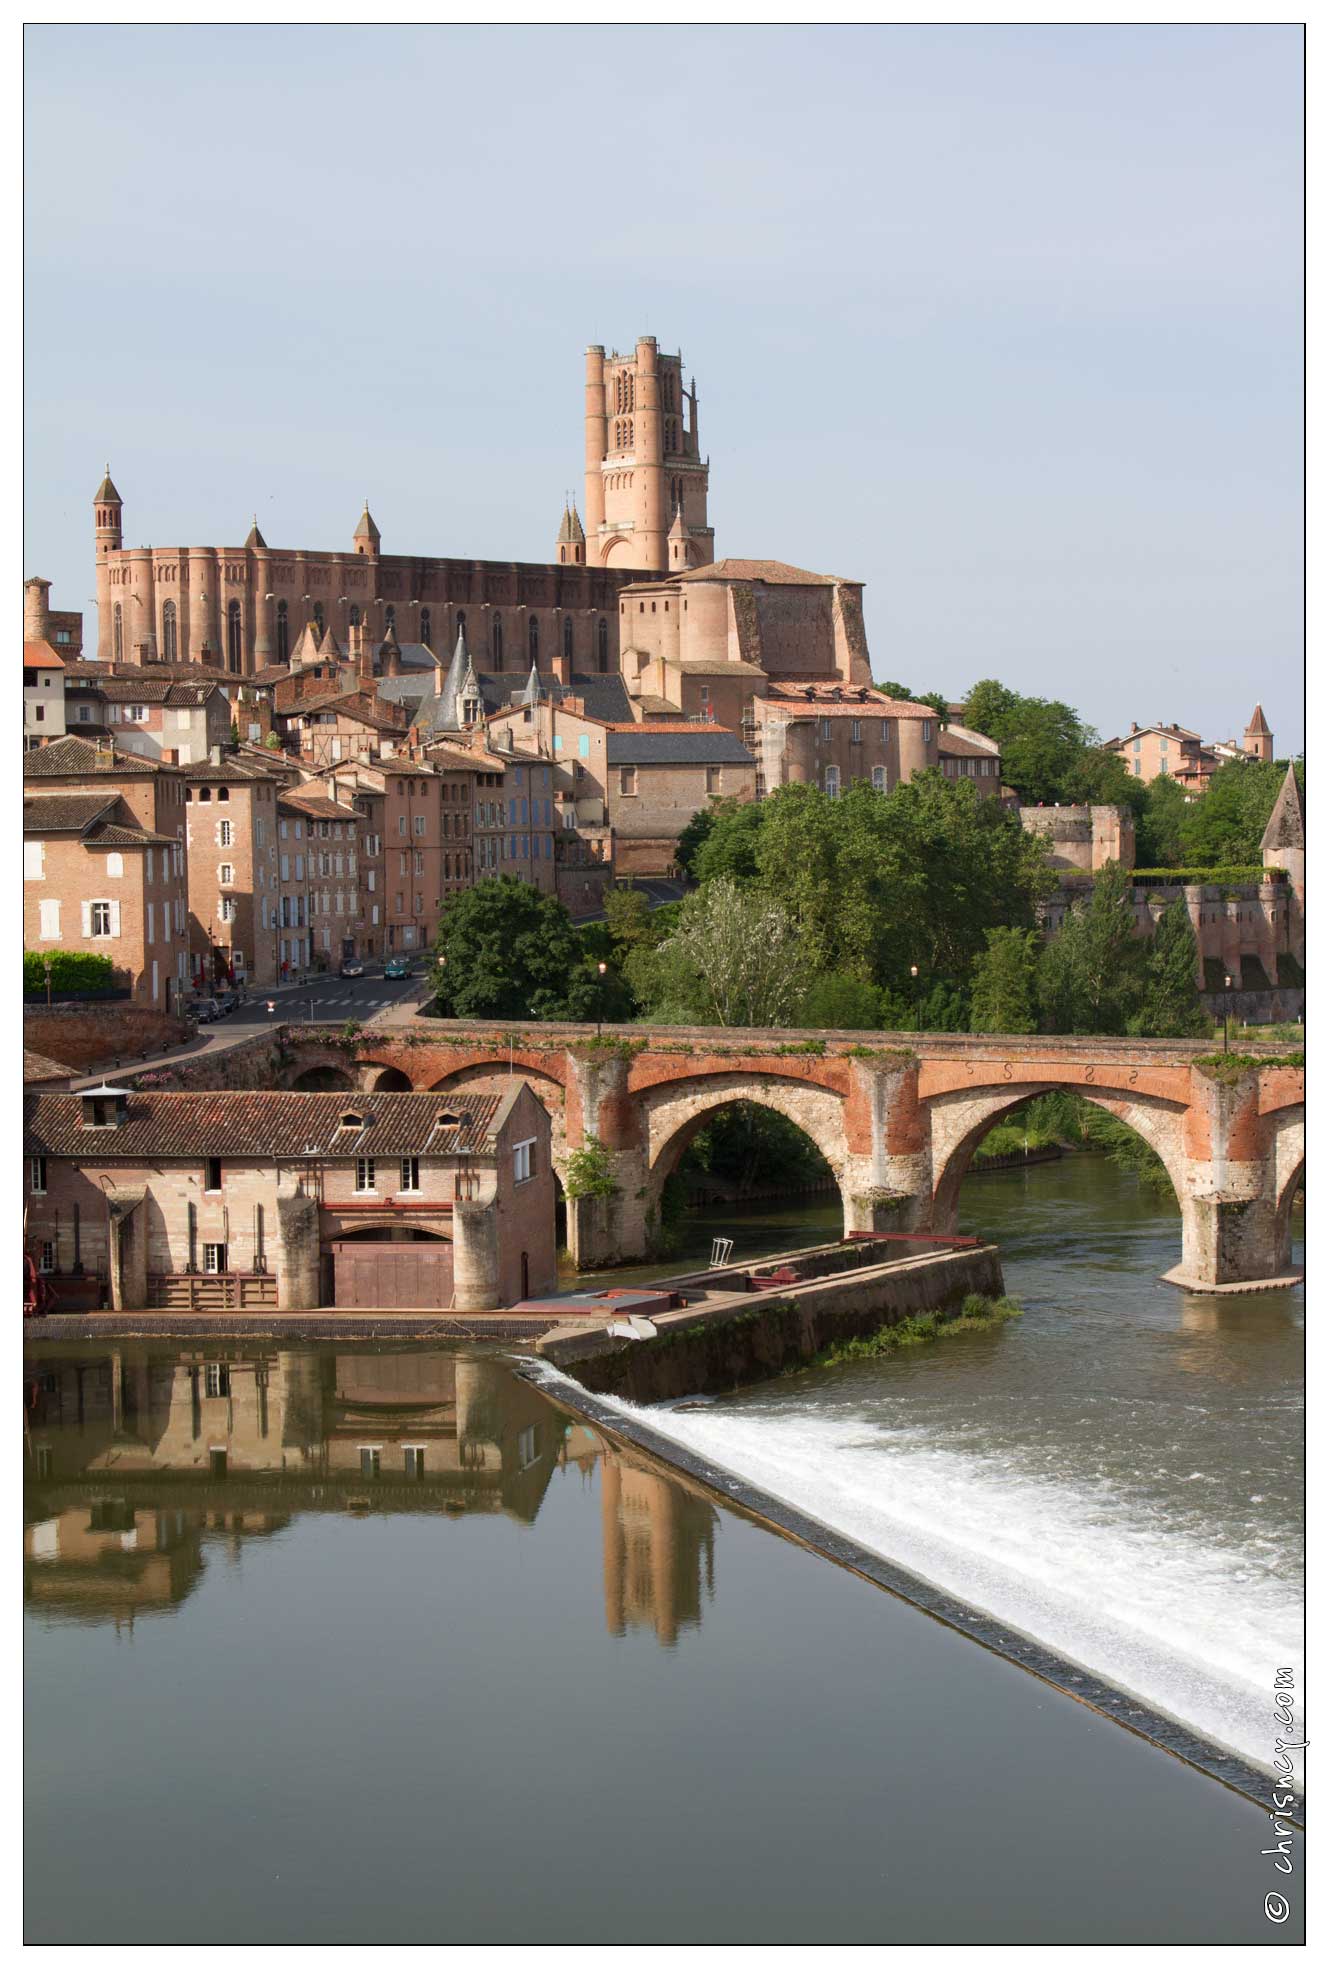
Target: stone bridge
<point>897,1120</point>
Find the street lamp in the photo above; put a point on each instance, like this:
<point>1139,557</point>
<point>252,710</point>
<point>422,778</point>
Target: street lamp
<point>46,966</point>
<point>918,1007</point>
<point>602,967</point>
<point>1227,988</point>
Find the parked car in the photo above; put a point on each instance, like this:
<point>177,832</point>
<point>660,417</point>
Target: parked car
<point>397,967</point>
<point>205,1010</point>
<point>226,1002</point>
<point>351,967</point>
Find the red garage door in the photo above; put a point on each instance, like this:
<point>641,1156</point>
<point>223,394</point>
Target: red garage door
<point>407,1277</point>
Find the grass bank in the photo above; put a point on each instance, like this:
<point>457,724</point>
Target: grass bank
<point>975,1314</point>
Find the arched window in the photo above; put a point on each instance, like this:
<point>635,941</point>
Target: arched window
<point>498,642</point>
<point>118,634</point>
<point>318,616</point>
<point>533,638</point>
<point>567,637</point>
<point>169,645</point>
<point>233,637</point>
<point>602,639</point>
<point>355,615</point>
<point>283,634</point>
<point>390,618</point>
<point>461,621</point>
<point>426,625</point>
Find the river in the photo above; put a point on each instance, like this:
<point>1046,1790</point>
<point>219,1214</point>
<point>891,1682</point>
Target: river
<point>356,1643</point>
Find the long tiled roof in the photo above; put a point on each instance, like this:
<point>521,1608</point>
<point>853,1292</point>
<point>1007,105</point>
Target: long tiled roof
<point>76,758</point>
<point>778,573</point>
<point>952,747</point>
<point>650,745</point>
<point>37,1067</point>
<point>317,804</point>
<point>65,813</point>
<point>228,767</point>
<point>264,1126</point>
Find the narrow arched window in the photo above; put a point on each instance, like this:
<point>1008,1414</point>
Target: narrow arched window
<point>355,615</point>
<point>603,638</point>
<point>169,645</point>
<point>533,637</point>
<point>283,634</point>
<point>318,616</point>
<point>118,634</point>
<point>426,625</point>
<point>390,618</point>
<point>498,642</point>
<point>567,637</point>
<point>233,637</point>
<point>461,621</point>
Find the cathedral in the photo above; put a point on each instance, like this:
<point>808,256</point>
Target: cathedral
<point>242,609</point>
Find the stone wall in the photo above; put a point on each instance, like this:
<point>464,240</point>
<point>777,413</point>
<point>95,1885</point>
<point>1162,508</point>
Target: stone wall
<point>88,1037</point>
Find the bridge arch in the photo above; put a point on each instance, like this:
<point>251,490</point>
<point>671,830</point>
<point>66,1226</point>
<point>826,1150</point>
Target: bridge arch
<point>674,1113</point>
<point>321,1077</point>
<point>961,1120</point>
<point>1289,1168</point>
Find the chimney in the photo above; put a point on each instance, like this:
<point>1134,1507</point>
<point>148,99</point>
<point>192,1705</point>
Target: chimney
<point>563,667</point>
<point>214,755</point>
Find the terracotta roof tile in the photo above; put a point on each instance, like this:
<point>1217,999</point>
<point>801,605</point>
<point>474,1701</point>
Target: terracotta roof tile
<point>263,1126</point>
<point>40,656</point>
<point>37,1067</point>
<point>76,758</point>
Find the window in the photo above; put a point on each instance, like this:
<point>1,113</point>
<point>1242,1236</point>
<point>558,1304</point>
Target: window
<point>37,1175</point>
<point>216,1374</point>
<point>713,779</point>
<point>50,919</point>
<point>101,919</point>
<point>214,1257</point>
<point>879,778</point>
<point>135,714</point>
<point>283,634</point>
<point>497,637</point>
<point>528,1446</point>
<point>523,1161</point>
<point>118,635</point>
<point>318,616</point>
<point>224,833</point>
<point>567,637</point>
<point>227,907</point>
<point>533,638</point>
<point>419,823</point>
<point>212,1173</point>
<point>425,626</point>
<point>364,1173</point>
<point>410,1172</point>
<point>855,732</point>
<point>371,1460</point>
<point>226,874</point>
<point>602,643</point>
<point>832,782</point>
<point>169,644</point>
<point>927,731</point>
<point>233,636</point>
<point>85,714</point>
<point>414,1458</point>
<point>46,1259</point>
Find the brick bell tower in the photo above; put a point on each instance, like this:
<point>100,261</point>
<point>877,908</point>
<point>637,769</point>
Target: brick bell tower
<point>108,509</point>
<point>644,470</point>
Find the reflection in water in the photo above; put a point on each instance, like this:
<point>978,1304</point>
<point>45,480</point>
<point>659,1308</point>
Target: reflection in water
<point>140,1460</point>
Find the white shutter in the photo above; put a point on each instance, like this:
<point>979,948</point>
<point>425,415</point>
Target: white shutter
<point>87,918</point>
<point>115,919</point>
<point>50,919</point>
<point>34,861</point>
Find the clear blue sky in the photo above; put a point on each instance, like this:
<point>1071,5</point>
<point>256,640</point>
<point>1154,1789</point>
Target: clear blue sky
<point>1004,322</point>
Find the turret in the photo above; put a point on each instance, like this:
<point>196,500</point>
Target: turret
<point>36,610</point>
<point>108,509</point>
<point>1259,741</point>
<point>678,543</point>
<point>648,442</point>
<point>107,512</point>
<point>597,440</point>
<point>366,538</point>
<point>570,547</point>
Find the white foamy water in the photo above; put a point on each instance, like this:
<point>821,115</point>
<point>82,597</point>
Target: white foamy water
<point>1193,1625</point>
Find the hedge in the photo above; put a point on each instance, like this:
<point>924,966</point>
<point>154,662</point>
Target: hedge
<point>71,970</point>
<point>1224,872</point>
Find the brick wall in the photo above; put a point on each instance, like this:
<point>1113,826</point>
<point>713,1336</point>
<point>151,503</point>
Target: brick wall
<point>92,1036</point>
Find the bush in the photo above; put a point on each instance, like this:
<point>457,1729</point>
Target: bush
<point>590,1172</point>
<point>1239,872</point>
<point>71,970</point>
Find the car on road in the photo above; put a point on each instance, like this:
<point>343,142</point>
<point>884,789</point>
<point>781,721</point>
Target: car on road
<point>205,1010</point>
<point>397,967</point>
<point>351,967</point>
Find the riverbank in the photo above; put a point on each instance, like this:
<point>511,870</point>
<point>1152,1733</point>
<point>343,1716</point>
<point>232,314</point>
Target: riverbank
<point>625,1424</point>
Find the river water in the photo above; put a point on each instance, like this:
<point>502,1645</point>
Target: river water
<point>366,1643</point>
<point>1117,1474</point>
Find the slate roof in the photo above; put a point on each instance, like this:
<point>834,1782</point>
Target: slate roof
<point>1287,822</point>
<point>262,1126</point>
<point>76,758</point>
<point>675,745</point>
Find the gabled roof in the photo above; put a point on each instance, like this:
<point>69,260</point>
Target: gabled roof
<point>40,656</point>
<point>778,573</point>
<point>315,803</point>
<point>1287,822</point>
<point>37,1067</point>
<point>101,820</point>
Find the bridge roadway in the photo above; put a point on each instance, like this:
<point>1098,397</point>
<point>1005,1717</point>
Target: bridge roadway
<point>896,1115</point>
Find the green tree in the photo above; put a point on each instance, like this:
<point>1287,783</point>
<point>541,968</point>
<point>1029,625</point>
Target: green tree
<point>505,951</point>
<point>1100,779</point>
<point>1225,825</point>
<point>736,955</point>
<point>937,699</point>
<point>694,834</point>
<point>1171,1007</point>
<point>1004,994</point>
<point>1159,828</point>
<point>1091,973</point>
<point>729,845</point>
<point>840,1004</point>
<point>628,917</point>
<point>1043,742</point>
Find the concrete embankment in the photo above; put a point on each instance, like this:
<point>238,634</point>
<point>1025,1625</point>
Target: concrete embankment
<point>727,1334</point>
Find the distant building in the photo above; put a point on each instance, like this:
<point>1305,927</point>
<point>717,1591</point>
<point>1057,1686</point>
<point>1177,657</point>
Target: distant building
<point>1149,750</point>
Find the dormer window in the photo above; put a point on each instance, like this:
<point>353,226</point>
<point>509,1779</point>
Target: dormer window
<point>350,1119</point>
<point>447,1119</point>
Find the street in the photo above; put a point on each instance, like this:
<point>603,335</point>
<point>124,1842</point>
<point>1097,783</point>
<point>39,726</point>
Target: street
<point>323,999</point>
